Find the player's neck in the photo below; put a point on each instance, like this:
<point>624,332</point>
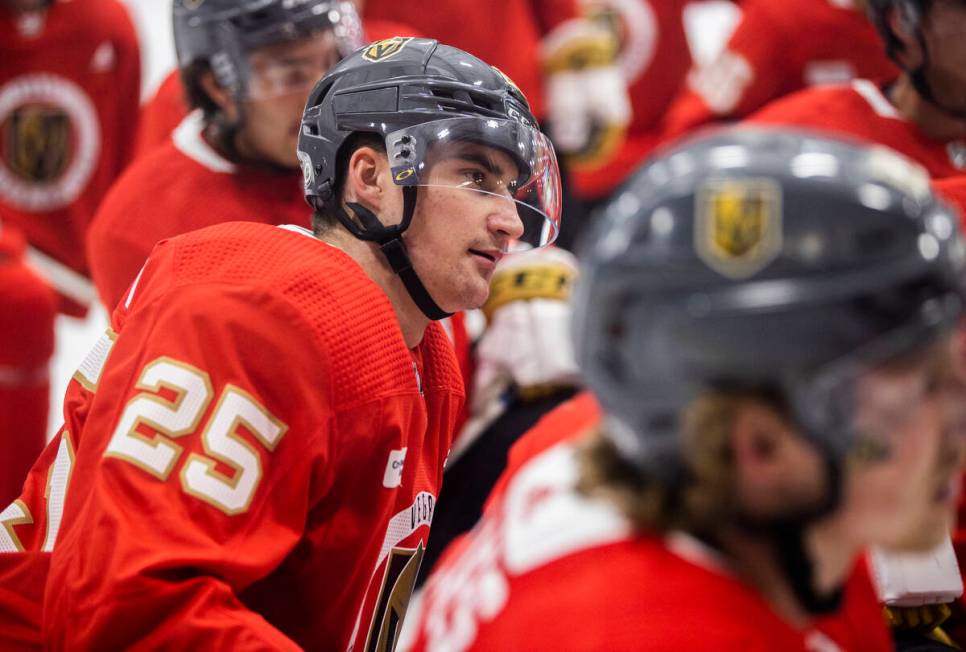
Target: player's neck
<point>755,560</point>
<point>933,122</point>
<point>411,319</point>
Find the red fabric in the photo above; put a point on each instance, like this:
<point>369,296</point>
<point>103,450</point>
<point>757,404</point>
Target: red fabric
<point>767,57</point>
<point>135,215</point>
<point>28,308</point>
<point>547,569</point>
<point>861,110</point>
<point>167,108</point>
<point>655,56</point>
<point>297,327</point>
<point>69,100</point>
<point>508,37</point>
<point>22,581</point>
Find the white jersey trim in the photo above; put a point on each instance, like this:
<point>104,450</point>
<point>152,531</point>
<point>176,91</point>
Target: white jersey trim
<point>879,103</point>
<point>189,141</point>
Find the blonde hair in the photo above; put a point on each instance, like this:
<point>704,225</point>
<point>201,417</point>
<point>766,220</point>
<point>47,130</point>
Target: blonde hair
<point>698,504</point>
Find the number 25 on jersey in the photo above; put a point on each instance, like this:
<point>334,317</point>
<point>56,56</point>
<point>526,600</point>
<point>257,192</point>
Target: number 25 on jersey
<point>173,400</point>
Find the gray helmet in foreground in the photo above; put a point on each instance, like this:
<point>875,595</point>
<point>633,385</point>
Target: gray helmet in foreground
<point>760,259</point>
<point>222,32</point>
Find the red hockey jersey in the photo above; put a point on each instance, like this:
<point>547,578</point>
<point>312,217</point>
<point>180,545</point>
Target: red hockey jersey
<point>69,97</point>
<point>27,310</point>
<point>862,111</point>
<point>165,111</point>
<point>182,186</point>
<point>506,36</point>
<point>654,57</point>
<point>250,456</point>
<point>549,569</point>
<point>772,53</point>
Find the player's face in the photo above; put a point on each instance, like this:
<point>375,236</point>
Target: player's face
<point>464,221</point>
<point>281,77</point>
<point>902,485</point>
<point>942,29</point>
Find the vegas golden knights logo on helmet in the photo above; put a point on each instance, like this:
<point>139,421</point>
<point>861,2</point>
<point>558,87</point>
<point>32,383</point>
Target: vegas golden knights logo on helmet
<point>738,225</point>
<point>386,48</point>
<point>37,142</point>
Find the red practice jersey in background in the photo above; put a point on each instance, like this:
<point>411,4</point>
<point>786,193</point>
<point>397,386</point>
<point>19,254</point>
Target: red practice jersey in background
<point>862,111</point>
<point>182,186</point>
<point>550,569</point>
<point>27,310</point>
<point>507,35</point>
<point>778,47</point>
<point>165,111</point>
<point>250,456</point>
<point>69,93</point>
<point>654,57</point>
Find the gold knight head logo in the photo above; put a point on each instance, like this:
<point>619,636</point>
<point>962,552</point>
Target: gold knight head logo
<point>386,48</point>
<point>738,225</point>
<point>37,142</point>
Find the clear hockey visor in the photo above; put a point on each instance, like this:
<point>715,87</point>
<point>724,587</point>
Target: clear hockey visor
<point>879,399</point>
<point>290,58</point>
<point>503,167</point>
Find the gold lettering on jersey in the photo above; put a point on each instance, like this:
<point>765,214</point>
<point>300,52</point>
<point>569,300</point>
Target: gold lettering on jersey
<point>38,141</point>
<point>738,225</point>
<point>386,48</point>
<point>399,580</point>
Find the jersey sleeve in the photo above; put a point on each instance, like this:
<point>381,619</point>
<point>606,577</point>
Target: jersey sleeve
<point>750,71</point>
<point>205,447</point>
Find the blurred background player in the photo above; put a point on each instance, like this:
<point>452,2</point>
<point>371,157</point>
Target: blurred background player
<point>27,309</point>
<point>270,413</point>
<point>745,453</point>
<point>247,68</point>
<point>69,91</point>
<point>922,113</point>
<point>165,111</point>
<point>653,56</point>
<point>772,53</point>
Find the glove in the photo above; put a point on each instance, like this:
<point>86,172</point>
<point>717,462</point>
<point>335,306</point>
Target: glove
<point>588,109</point>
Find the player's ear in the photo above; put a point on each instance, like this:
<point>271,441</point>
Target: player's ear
<point>904,24</point>
<point>218,95</point>
<point>367,178</point>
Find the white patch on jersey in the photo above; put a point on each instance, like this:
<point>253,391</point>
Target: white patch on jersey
<point>56,94</point>
<point>187,138</point>
<point>828,73</point>
<point>816,641</point>
<point>722,83</point>
<point>547,520</point>
<point>392,478</point>
<point>105,57</point>
<point>871,94</point>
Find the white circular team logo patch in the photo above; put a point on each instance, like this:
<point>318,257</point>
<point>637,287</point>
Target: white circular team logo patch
<point>50,142</point>
<point>634,25</point>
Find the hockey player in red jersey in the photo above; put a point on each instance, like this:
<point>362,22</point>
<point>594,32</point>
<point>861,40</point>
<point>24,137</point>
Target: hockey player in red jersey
<point>165,111</point>
<point>653,56</point>
<point>69,91</point>
<point>563,62</point>
<point>780,386</point>
<point>27,310</point>
<point>260,436</point>
<point>248,67</point>
<point>772,53</point>
<point>923,112</point>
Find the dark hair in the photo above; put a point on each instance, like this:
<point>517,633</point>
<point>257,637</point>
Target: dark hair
<point>218,129</point>
<point>324,219</point>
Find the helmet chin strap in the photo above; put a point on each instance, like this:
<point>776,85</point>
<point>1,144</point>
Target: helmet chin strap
<point>389,239</point>
<point>787,534</point>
